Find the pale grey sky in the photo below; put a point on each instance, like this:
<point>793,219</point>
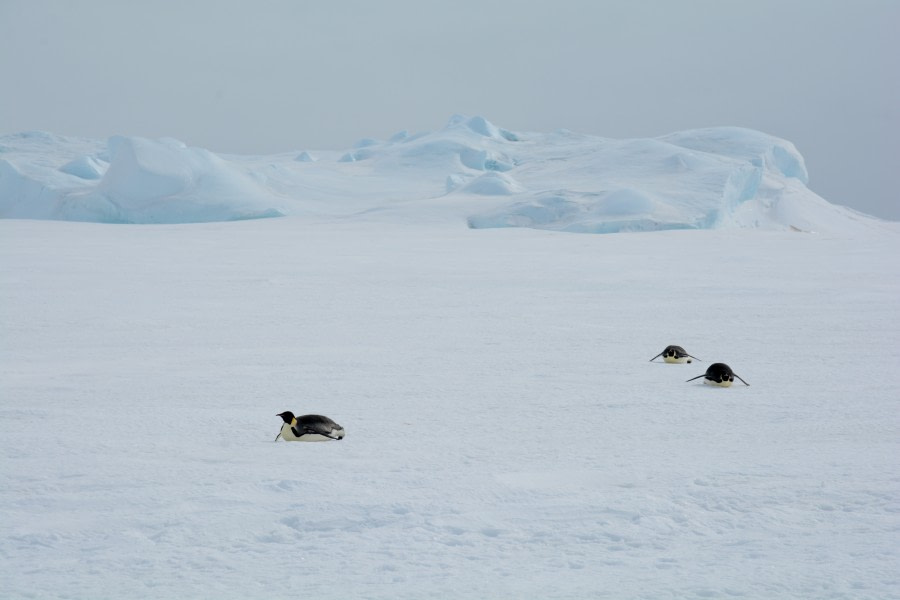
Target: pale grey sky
<point>267,76</point>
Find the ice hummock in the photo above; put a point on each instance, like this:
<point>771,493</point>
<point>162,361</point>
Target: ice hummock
<point>470,170</point>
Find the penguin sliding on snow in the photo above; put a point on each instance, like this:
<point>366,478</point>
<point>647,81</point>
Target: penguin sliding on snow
<point>675,354</point>
<point>719,374</point>
<point>308,428</point>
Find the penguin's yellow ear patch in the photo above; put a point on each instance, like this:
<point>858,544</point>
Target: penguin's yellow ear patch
<point>294,422</point>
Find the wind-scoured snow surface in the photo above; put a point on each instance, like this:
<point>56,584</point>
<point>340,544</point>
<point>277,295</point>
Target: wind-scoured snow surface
<point>507,436</point>
<point>489,177</point>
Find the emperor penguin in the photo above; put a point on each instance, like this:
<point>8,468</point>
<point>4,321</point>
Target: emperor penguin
<point>719,374</point>
<point>308,428</point>
<point>675,354</point>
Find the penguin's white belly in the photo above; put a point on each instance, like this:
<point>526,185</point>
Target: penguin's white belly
<point>679,361</point>
<point>725,383</point>
<point>288,434</point>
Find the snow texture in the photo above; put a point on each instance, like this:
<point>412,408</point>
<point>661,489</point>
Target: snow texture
<point>487,176</point>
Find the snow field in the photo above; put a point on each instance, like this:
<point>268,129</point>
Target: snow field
<point>506,434</point>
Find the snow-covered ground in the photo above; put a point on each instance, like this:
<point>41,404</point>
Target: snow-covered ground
<point>507,436</point>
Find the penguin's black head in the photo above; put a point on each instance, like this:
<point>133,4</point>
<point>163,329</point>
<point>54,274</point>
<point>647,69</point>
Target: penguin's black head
<point>675,351</point>
<point>719,372</point>
<point>287,416</point>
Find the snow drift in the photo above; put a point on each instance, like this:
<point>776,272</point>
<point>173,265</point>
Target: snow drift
<point>484,175</point>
